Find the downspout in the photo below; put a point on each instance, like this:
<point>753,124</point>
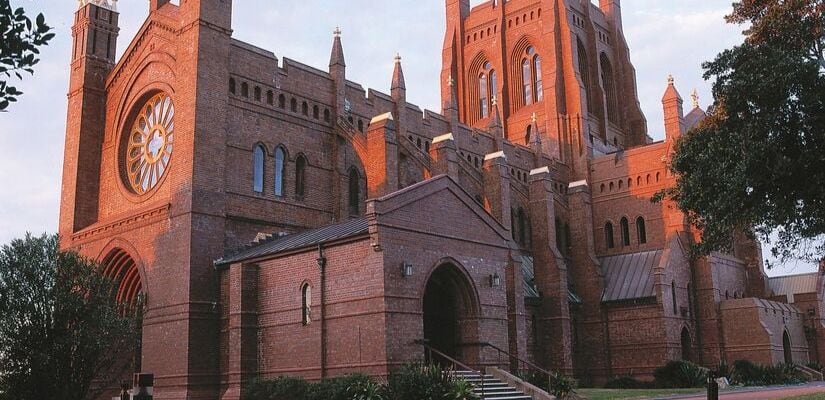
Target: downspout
<point>322,263</point>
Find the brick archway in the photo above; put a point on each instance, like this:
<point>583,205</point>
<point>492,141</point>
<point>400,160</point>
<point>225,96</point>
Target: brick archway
<point>451,319</point>
<point>121,268</point>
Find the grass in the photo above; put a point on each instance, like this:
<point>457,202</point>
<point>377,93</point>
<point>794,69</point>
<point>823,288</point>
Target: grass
<point>626,394</point>
<point>816,396</point>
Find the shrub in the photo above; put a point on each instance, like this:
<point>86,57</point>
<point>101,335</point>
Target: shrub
<point>680,374</point>
<point>344,388</point>
<point>461,390</point>
<point>282,388</point>
<point>750,374</point>
<point>558,385</point>
<point>747,373</point>
<point>419,382</point>
<point>627,382</point>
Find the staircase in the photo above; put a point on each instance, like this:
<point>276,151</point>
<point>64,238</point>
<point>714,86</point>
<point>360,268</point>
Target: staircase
<point>492,388</point>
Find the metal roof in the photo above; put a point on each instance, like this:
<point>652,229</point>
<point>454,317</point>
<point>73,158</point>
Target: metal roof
<point>530,289</point>
<point>790,285</point>
<point>312,237</point>
<point>629,276</point>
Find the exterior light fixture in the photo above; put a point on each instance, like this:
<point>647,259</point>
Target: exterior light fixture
<point>495,280</point>
<point>406,269</point>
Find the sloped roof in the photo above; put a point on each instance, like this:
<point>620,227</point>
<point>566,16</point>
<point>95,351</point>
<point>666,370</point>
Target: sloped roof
<point>530,289</point>
<point>694,117</point>
<point>309,238</point>
<point>790,285</point>
<point>629,276</point>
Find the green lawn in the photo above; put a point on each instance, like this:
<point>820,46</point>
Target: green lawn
<point>817,396</point>
<point>625,394</point>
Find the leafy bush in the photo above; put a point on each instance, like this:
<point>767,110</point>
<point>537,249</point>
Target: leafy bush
<point>724,370</point>
<point>558,385</point>
<point>680,374</point>
<point>750,374</point>
<point>627,382</point>
<point>345,388</point>
<point>419,382</point>
<point>281,388</point>
<point>461,390</point>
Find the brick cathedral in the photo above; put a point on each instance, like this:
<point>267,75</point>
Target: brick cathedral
<point>281,220</point>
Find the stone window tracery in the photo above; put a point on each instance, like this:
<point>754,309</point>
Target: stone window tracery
<point>149,144</point>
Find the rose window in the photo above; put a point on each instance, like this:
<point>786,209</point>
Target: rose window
<point>149,144</point>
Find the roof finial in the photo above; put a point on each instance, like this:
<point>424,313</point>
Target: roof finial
<point>337,31</point>
<point>695,97</point>
<point>670,79</point>
<point>397,58</point>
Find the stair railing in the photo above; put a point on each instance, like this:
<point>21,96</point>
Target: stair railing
<point>429,351</point>
<point>518,362</point>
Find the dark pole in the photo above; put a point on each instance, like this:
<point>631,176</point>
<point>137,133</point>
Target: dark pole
<point>713,387</point>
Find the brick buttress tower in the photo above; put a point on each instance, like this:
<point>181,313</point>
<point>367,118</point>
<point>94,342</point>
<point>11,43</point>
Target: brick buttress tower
<point>144,176</point>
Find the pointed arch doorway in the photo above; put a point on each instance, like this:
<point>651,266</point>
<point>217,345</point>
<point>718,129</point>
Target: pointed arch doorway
<point>122,269</point>
<point>451,313</point>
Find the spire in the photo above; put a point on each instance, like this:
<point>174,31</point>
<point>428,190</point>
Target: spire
<point>337,57</point>
<point>495,122</point>
<point>671,93</point>
<point>674,116</point>
<point>398,75</point>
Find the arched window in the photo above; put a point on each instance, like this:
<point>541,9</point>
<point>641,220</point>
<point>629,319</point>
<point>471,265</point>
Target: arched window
<point>293,105</point>
<point>257,93</point>
<point>244,89</point>
<point>232,85</point>
<point>584,70</point>
<point>258,169</point>
<point>537,78</point>
<point>281,101</point>
<point>482,96</point>
<point>305,109</point>
<point>608,235</point>
<point>326,115</point>
<point>354,191</point>
<point>786,348</point>
<point>673,296</point>
<point>493,85</point>
<point>270,97</point>
<point>280,166</point>
<point>300,175</point>
<point>315,113</point>
<point>641,230</point>
<point>609,87</point>
<point>527,79</point>
<point>306,304</point>
<point>360,125</point>
<point>625,232</point>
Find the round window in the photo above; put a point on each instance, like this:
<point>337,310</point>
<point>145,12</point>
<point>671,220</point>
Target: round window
<point>148,146</point>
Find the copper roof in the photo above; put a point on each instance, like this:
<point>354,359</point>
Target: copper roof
<point>790,285</point>
<point>629,276</point>
<point>530,288</point>
<point>312,237</point>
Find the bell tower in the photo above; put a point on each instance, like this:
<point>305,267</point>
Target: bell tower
<point>94,35</point>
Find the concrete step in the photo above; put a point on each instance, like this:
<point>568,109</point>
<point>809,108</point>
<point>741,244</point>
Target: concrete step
<point>493,388</point>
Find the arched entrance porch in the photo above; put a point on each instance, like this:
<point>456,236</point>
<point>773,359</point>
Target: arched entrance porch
<point>122,269</point>
<point>451,313</point>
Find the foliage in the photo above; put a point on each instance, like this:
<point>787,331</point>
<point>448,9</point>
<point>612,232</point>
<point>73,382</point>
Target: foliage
<point>627,382</point>
<point>680,374</point>
<point>749,374</point>
<point>281,388</point>
<point>753,165</point>
<point>558,385</point>
<point>724,370</point>
<point>410,382</point>
<point>19,47</point>
<point>60,326</point>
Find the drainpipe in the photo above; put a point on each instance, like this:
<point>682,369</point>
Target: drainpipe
<point>322,263</point>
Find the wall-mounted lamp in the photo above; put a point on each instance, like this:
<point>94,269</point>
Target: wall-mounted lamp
<point>495,280</point>
<point>406,269</point>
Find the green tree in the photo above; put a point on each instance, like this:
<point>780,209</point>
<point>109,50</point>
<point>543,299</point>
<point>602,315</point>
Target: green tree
<point>19,48</point>
<point>60,327</point>
<point>757,163</point>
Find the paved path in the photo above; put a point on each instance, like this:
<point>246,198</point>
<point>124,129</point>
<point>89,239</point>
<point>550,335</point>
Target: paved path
<point>773,393</point>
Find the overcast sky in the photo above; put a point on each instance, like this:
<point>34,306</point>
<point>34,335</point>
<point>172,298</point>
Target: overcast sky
<point>665,37</point>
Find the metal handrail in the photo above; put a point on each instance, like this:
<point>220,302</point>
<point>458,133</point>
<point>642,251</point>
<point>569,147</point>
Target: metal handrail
<point>518,360</point>
<point>430,350</point>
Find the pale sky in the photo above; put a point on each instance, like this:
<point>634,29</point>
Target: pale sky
<point>665,37</point>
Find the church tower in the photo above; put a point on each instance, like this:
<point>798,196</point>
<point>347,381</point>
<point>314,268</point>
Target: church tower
<point>565,62</point>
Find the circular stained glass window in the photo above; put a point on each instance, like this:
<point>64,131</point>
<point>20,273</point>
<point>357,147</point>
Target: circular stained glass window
<point>148,147</point>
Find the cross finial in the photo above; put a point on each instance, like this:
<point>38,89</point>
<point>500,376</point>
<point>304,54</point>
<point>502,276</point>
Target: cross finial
<point>397,58</point>
<point>695,97</point>
<point>670,79</point>
<point>337,31</point>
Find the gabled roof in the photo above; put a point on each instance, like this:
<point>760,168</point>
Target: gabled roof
<point>790,285</point>
<point>629,276</point>
<point>312,237</point>
<point>694,117</point>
